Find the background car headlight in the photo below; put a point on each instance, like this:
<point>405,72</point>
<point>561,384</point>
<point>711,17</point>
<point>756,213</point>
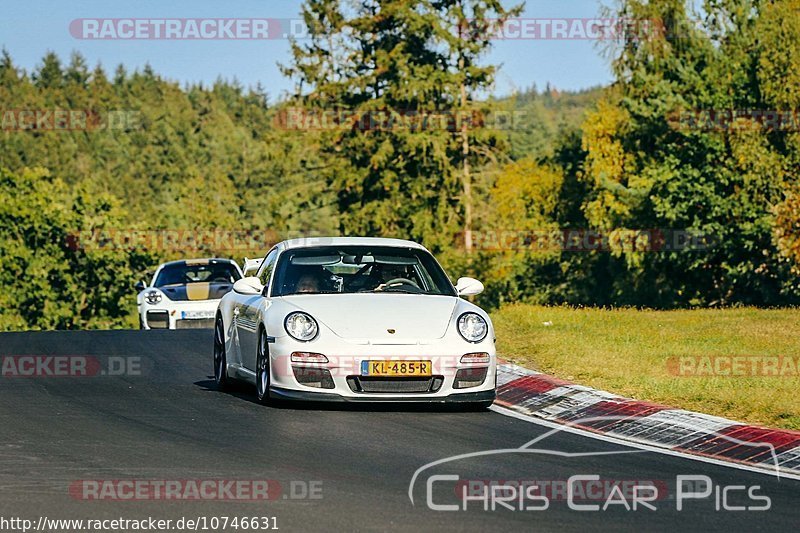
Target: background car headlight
<point>153,297</point>
<point>472,327</point>
<point>301,326</point>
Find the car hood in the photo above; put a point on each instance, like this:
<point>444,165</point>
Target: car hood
<point>379,318</point>
<point>196,291</point>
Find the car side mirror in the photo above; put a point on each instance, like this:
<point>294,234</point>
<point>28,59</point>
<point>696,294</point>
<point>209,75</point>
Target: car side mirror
<point>248,286</point>
<point>251,266</point>
<point>140,286</point>
<point>469,287</point>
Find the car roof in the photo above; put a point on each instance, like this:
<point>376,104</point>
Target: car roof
<point>308,242</point>
<point>201,261</point>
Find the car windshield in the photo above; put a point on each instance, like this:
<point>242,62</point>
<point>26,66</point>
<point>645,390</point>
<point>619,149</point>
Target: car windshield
<point>360,269</point>
<point>207,272</point>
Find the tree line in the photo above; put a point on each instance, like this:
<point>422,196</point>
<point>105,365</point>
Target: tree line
<point>675,186</point>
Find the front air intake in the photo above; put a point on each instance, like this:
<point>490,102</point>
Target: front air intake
<point>470,377</point>
<point>157,320</point>
<point>394,385</point>
<point>313,377</point>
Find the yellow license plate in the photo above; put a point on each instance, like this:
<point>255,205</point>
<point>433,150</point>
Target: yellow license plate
<point>396,368</point>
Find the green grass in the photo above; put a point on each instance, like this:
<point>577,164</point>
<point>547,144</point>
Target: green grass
<point>626,351</point>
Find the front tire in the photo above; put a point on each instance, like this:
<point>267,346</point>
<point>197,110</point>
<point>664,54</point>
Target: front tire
<point>220,358</point>
<point>262,369</point>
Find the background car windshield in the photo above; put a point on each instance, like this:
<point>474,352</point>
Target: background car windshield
<point>181,274</point>
<point>360,269</point>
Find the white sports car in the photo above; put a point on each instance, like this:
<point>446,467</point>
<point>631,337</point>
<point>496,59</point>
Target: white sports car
<point>185,294</point>
<point>355,319</point>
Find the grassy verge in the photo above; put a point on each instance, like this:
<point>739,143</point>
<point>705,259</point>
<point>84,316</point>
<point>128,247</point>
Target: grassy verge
<point>638,354</point>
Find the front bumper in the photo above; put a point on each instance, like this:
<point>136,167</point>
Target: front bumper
<point>342,377</point>
<point>462,397</point>
<point>176,315</point>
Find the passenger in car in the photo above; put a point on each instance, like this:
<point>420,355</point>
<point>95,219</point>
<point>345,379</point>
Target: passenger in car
<point>307,283</point>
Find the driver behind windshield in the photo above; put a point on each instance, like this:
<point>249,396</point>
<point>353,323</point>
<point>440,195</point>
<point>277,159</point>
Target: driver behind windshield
<point>393,273</point>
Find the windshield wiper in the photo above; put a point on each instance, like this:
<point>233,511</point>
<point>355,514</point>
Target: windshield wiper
<point>394,289</point>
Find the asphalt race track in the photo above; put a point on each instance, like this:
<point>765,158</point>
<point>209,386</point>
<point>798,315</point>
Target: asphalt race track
<point>151,413</point>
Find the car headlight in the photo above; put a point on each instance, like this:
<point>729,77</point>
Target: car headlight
<point>153,297</point>
<point>472,327</point>
<point>301,326</point>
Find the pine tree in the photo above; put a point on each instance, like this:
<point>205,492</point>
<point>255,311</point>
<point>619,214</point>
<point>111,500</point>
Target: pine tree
<point>49,75</point>
<point>398,81</point>
<point>77,72</point>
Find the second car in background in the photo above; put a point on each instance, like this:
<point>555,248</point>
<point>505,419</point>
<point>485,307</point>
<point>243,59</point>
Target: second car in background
<point>185,294</point>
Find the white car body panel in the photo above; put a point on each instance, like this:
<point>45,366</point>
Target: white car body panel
<point>377,313</point>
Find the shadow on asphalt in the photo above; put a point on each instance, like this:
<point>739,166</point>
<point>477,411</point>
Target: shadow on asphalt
<point>247,393</point>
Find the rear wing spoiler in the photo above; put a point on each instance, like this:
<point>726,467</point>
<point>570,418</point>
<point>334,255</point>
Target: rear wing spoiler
<point>251,266</point>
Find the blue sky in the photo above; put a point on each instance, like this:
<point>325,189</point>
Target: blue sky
<point>32,27</point>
